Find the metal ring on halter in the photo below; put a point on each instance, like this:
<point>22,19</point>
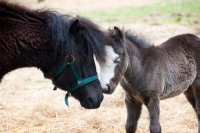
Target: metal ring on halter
<point>73,58</point>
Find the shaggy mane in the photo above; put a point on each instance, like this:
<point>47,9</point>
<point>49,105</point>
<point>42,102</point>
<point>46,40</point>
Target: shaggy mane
<point>96,37</point>
<point>137,40</point>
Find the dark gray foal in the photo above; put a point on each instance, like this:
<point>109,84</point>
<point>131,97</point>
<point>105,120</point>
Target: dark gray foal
<point>150,73</point>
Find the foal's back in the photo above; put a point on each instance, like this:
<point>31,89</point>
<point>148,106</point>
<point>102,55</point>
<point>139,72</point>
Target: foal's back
<point>182,65</point>
<point>185,44</point>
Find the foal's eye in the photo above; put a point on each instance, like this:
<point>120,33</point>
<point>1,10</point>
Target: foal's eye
<point>117,60</point>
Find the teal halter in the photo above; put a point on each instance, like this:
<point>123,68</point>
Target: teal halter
<point>79,81</point>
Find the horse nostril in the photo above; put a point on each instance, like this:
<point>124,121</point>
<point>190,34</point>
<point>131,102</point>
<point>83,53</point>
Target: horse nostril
<point>106,90</point>
<point>90,99</point>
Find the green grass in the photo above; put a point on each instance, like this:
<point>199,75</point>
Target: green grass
<point>169,12</point>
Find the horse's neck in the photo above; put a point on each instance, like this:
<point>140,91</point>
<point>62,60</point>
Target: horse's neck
<point>142,63</point>
<point>135,58</point>
<point>24,47</point>
<point>136,63</point>
<point>26,39</point>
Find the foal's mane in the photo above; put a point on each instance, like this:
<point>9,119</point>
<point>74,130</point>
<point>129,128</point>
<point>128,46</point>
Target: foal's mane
<point>139,40</point>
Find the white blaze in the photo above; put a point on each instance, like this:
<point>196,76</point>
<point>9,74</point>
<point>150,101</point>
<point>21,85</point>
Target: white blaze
<point>107,68</point>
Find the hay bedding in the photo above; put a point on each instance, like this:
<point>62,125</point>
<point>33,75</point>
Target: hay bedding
<point>29,105</point>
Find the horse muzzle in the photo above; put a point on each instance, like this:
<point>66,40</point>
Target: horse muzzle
<point>91,103</point>
<point>110,88</point>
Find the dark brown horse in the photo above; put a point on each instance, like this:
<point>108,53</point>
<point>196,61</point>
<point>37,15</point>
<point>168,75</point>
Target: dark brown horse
<point>153,73</point>
<point>62,47</point>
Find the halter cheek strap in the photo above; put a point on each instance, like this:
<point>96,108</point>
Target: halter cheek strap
<point>79,81</point>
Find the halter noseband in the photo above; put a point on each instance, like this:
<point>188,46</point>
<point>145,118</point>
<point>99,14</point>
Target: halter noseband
<point>79,81</point>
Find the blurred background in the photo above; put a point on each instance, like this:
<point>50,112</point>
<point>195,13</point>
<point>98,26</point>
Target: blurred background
<point>28,103</point>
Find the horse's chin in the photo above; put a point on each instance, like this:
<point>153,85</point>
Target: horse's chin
<point>90,103</point>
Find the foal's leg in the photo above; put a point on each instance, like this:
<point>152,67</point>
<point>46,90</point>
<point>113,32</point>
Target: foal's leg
<point>189,94</point>
<point>196,90</point>
<point>152,102</point>
<point>134,108</point>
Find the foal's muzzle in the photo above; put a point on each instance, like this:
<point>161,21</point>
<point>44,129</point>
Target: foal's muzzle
<point>110,88</point>
<point>107,89</point>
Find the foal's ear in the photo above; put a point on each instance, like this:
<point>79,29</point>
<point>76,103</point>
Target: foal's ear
<point>74,27</point>
<point>117,34</point>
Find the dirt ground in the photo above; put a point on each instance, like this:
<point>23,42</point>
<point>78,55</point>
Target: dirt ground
<point>28,103</point>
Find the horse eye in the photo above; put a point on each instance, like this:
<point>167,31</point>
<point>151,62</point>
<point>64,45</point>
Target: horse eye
<point>117,60</point>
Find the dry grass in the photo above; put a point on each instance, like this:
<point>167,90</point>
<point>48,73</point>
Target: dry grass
<point>28,103</point>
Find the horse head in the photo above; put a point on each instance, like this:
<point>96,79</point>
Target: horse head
<point>79,75</point>
<point>116,61</point>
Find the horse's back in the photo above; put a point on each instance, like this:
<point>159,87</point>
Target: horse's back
<point>187,41</point>
<point>182,65</point>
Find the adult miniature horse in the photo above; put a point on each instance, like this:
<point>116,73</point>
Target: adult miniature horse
<point>154,73</point>
<point>62,47</point>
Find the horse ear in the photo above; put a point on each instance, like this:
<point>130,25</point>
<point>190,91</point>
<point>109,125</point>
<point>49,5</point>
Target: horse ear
<point>117,34</point>
<point>74,27</point>
<point>119,39</point>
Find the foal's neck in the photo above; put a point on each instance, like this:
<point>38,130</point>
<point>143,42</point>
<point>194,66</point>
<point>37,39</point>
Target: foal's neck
<point>137,61</point>
<point>135,57</point>
<point>142,62</point>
